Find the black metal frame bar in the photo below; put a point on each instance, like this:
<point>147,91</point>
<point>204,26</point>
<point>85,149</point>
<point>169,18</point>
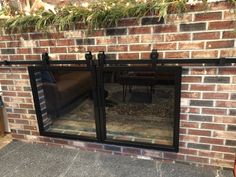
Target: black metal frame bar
<point>45,59</point>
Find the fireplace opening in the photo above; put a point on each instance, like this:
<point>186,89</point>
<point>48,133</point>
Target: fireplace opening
<point>128,106</point>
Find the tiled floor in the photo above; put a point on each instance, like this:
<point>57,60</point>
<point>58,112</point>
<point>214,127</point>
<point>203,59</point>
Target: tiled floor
<point>33,160</point>
<point>5,140</point>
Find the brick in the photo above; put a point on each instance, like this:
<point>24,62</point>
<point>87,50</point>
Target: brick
<point>140,30</point>
<point>197,159</point>
<point>47,43</point>
<point>193,27</point>
<point>212,126</point>
<point>40,50</point>
<point>188,138</point>
<point>201,103</point>
<point>208,16</point>
<point>165,46</point>
<point>206,35</point>
<point>128,22</point>
<point>215,95</point>
<point>135,151</point>
<point>225,134</point>
<point>191,45</point>
<point>65,42</point>
<point>228,53</point>
<point>226,88</point>
<point>170,155</point>
<point>118,48</point>
<point>16,57</point>
<point>85,42</point>
<point>118,31</point>
<point>189,124</point>
<point>217,79</point>
<point>178,18</point>
<point>94,48</point>
<point>200,118</point>
<point>191,79</point>
<point>187,151</point>
<point>229,15</point>
<point>214,111</point>
<point>229,34</point>
<point>129,56</point>
<point>94,145</point>
<point>24,51</point>
<point>104,41</point>
<point>202,87</point>
<point>227,71</point>
<point>211,140</point>
<point>228,104</point>
<point>203,71</point>
<point>221,25</point>
<point>165,29</point>
<point>220,44</point>
<point>128,39</point>
<point>6,82</point>
<point>177,54</point>
<point>178,37</point>
<point>193,95</point>
<point>140,47</point>
<point>229,157</point>
<point>199,132</point>
<point>233,96</point>
<point>210,154</point>
<point>60,141</point>
<point>199,146</point>
<point>67,57</point>
<point>8,51</point>
<point>32,57</point>
<point>231,143</point>
<point>231,128</point>
<point>222,149</point>
<point>152,21</point>
<point>154,38</point>
<point>13,44</point>
<point>21,121</point>
<point>112,148</point>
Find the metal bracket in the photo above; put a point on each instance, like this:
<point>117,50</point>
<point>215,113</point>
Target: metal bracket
<point>101,58</point>
<point>89,58</point>
<point>154,57</point>
<point>45,59</point>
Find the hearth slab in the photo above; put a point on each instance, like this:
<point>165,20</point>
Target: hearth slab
<point>34,160</point>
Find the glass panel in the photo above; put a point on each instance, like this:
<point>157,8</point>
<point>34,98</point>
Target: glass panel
<point>66,102</point>
<point>140,107</point>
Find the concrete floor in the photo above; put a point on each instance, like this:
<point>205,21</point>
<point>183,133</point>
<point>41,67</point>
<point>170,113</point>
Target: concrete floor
<point>19,159</point>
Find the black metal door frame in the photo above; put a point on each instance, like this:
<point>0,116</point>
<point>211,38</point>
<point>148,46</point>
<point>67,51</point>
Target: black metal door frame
<point>32,70</point>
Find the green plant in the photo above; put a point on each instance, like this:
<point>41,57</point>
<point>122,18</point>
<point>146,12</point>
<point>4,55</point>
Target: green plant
<point>100,14</point>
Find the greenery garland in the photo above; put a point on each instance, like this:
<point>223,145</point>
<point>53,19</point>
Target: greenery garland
<point>100,14</point>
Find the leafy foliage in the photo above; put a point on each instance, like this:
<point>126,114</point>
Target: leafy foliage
<point>100,14</point>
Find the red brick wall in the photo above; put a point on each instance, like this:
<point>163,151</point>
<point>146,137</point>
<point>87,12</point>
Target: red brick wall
<point>208,107</point>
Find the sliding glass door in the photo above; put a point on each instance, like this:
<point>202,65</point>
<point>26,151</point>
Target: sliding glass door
<point>66,101</point>
<point>129,105</point>
<point>141,106</point>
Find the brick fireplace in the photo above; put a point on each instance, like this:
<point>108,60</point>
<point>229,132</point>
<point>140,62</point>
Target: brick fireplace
<point>208,94</point>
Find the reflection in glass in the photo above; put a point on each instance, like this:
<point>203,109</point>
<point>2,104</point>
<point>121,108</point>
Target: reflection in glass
<point>140,107</point>
<point>66,102</point>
